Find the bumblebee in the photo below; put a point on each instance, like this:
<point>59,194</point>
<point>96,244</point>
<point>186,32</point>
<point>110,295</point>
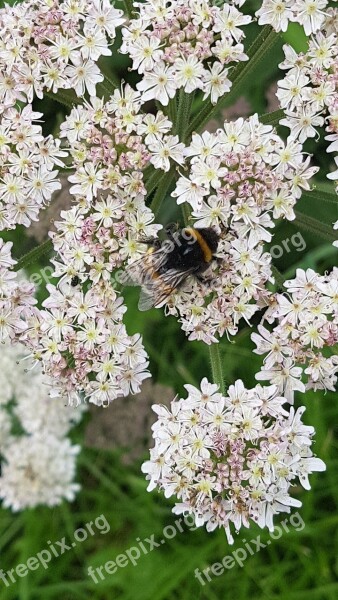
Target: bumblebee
<point>167,264</point>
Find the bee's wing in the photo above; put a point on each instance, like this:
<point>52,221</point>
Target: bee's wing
<point>142,270</point>
<point>155,291</point>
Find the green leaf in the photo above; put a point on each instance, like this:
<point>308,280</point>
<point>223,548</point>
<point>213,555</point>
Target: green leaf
<point>279,278</point>
<point>172,109</point>
<point>321,193</point>
<point>104,90</point>
<point>314,226</point>
<point>109,77</point>
<point>295,36</point>
<point>152,182</point>
<point>186,212</point>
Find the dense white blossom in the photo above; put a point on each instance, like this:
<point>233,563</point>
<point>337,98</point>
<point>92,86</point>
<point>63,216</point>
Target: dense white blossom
<point>184,46</point>
<point>230,459</point>
<point>38,462</point>
<point>309,91</point>
<point>51,45</point>
<point>38,471</point>
<point>238,180</point>
<point>28,176</point>
<point>305,326</point>
<point>279,13</point>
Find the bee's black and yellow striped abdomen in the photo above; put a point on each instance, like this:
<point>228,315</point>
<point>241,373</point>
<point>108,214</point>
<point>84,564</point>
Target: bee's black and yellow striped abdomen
<point>193,249</point>
<point>167,264</point>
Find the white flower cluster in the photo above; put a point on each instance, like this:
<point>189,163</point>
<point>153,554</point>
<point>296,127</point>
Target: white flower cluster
<point>239,179</point>
<point>27,160</point>
<point>279,13</point>
<point>230,459</point>
<point>84,347</point>
<point>309,91</point>
<point>53,45</point>
<point>305,332</point>
<point>16,297</point>
<point>186,44</point>
<point>38,460</point>
<point>112,142</point>
<point>80,337</point>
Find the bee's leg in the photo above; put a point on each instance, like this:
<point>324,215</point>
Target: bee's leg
<point>202,278</point>
<point>207,279</point>
<point>155,242</point>
<point>208,282</point>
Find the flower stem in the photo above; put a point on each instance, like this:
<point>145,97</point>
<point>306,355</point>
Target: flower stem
<point>216,367</point>
<point>163,187</point>
<point>262,45</point>
<point>65,97</point>
<point>128,6</point>
<point>272,118</point>
<point>279,279</point>
<point>172,110</point>
<point>31,256</point>
<point>183,114</point>
<point>186,212</point>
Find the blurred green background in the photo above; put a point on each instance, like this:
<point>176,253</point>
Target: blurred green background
<point>300,565</point>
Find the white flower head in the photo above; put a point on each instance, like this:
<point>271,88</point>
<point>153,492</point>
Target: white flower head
<point>210,448</point>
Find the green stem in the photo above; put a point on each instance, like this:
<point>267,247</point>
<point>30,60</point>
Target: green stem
<point>242,72</point>
<point>279,279</point>
<point>163,187</point>
<point>216,367</point>
<point>65,97</point>
<point>68,170</point>
<point>23,586</point>
<point>186,211</point>
<point>272,118</point>
<point>33,255</point>
<point>128,6</point>
<point>152,182</point>
<point>111,78</point>
<point>172,110</point>
<point>181,124</point>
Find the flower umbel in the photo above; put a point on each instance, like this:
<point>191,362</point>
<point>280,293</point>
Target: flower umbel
<point>184,45</point>
<point>230,460</point>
